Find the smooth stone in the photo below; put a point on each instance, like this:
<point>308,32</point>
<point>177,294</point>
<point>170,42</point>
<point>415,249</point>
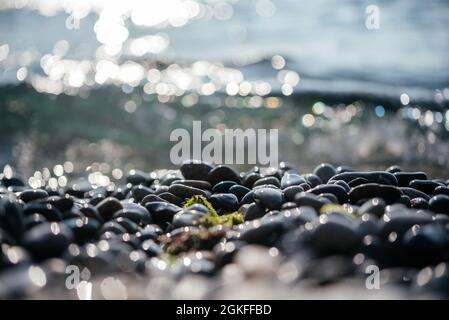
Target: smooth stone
<point>161,189</point>
<point>32,194</point>
<point>325,172</point>
<point>265,232</point>
<point>186,192</point>
<point>357,182</point>
<point>405,200</point>
<point>223,173</point>
<point>12,217</point>
<point>198,207</point>
<point>187,218</point>
<point>47,240</point>
<point>310,200</point>
<point>130,226</point>
<point>290,192</point>
<point>394,169</point>
<point>224,202</point>
<point>254,211</point>
<point>84,229</point>
<point>439,203</point>
<point>404,178</point>
<point>139,192</point>
<point>299,216</point>
<point>343,184</point>
<point>14,181</point>
<point>225,252</point>
<point>162,212</point>
<point>368,225</point>
<point>331,197</point>
<point>195,170</point>
<point>289,180</point>
<point>33,220</point>
<point>380,177</point>
<point>375,206</point>
<point>413,193</point>
<point>151,248</point>
<point>134,212</point>
<point>151,231</point>
<point>200,184</point>
<point>136,177</point>
<point>419,203</point>
<point>151,198</point>
<point>426,186</point>
<point>96,199</point>
<point>239,191</point>
<point>289,205</point>
<point>427,245</point>
<point>170,179</point>
<point>398,220</point>
<point>112,226</point>
<point>248,198</point>
<point>223,186</point>
<point>108,207</point>
<point>91,212</point>
<point>249,179</point>
<point>51,213</point>
<point>170,197</point>
<point>267,180</point>
<point>62,203</point>
<point>120,193</point>
<point>342,169</point>
<point>388,193</point>
<point>270,198</point>
<point>339,192</point>
<point>441,190</point>
<point>313,180</point>
<point>334,235</point>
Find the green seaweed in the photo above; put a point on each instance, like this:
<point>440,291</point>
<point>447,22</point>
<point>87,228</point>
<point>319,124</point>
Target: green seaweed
<point>229,219</point>
<point>332,208</point>
<point>213,218</point>
<point>201,200</point>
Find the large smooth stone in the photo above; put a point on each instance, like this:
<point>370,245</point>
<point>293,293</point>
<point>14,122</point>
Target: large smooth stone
<point>380,177</point>
<point>270,198</point>
<point>195,170</point>
<point>47,240</point>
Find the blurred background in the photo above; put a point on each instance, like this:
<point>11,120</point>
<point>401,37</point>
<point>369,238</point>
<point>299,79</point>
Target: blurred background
<point>100,84</point>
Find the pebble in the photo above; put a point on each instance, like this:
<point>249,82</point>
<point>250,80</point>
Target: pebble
<point>195,170</point>
<point>380,177</point>
<point>267,181</point>
<point>239,191</point>
<point>404,178</point>
<point>32,194</point>
<point>375,206</point>
<point>195,183</point>
<point>108,207</point>
<point>270,198</point>
<point>289,180</point>
<point>222,173</point>
<point>338,191</point>
<point>439,204</point>
<point>186,192</point>
<point>325,172</point>
<point>388,193</point>
<point>47,240</point>
<point>426,186</point>
<point>224,202</point>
